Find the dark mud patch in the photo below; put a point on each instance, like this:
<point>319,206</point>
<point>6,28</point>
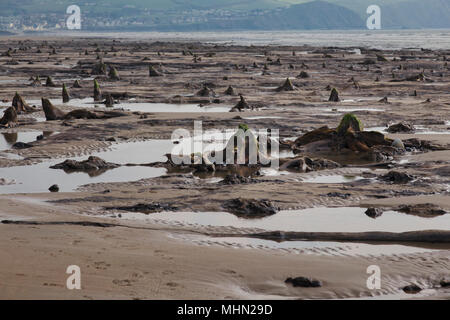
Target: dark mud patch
<point>95,199</point>
<point>426,236</point>
<point>146,208</point>
<point>425,210</point>
<point>52,223</point>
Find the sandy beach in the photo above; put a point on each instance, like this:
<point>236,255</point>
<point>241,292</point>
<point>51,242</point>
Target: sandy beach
<point>143,228</point>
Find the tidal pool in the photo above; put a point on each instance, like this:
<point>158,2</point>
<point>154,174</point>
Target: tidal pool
<point>332,248</point>
<point>39,177</point>
<point>343,219</point>
<point>8,139</point>
<point>333,179</point>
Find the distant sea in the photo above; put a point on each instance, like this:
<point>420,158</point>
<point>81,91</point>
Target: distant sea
<point>379,39</point>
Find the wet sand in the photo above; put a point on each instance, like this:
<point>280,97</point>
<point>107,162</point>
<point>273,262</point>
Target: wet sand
<point>145,257</point>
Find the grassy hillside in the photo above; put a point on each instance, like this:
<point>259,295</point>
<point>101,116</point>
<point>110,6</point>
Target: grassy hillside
<point>8,7</point>
<point>48,6</point>
<point>301,14</point>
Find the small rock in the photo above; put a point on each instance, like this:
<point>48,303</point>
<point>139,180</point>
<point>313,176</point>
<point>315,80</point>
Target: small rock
<point>397,177</point>
<point>422,210</point>
<point>91,164</point>
<point>374,212</point>
<point>250,208</point>
<point>304,282</point>
<point>235,179</point>
<point>445,283</point>
<point>21,145</point>
<point>401,127</point>
<point>397,143</point>
<point>338,195</point>
<point>412,289</point>
<point>54,188</point>
<point>145,208</point>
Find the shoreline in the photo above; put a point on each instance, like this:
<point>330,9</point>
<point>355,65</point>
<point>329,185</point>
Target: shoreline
<point>362,38</point>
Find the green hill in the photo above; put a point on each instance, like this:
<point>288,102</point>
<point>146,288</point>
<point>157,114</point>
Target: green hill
<point>232,14</point>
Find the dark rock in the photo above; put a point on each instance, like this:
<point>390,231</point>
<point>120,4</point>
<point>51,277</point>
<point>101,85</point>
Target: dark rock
<point>145,207</point>
<point>401,127</point>
<point>322,133</point>
<point>235,179</point>
<point>91,164</point>
<point>250,208</point>
<point>423,210</point>
<point>334,95</point>
<point>303,75</point>
<point>20,105</point>
<point>49,82</point>
<point>338,195</point>
<point>306,164</point>
<point>397,177</point>
<point>412,289</point>
<point>367,62</point>
<point>153,73</point>
<point>206,92</point>
<point>304,282</point>
<point>287,86</point>
<point>417,77</point>
<point>109,101</point>
<point>445,283</point>
<point>242,104</point>
<point>65,94</point>
<point>86,114</point>
<point>21,145</point>
<point>80,114</point>
<point>54,188</point>
<point>230,91</point>
<point>76,84</point>
<point>50,111</point>
<point>414,143</point>
<point>9,118</point>
<point>374,212</point>
<point>372,138</point>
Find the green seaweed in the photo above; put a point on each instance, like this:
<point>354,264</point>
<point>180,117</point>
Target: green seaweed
<point>349,121</point>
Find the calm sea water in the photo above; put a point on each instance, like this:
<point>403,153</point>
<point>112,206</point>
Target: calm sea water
<point>381,39</point>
